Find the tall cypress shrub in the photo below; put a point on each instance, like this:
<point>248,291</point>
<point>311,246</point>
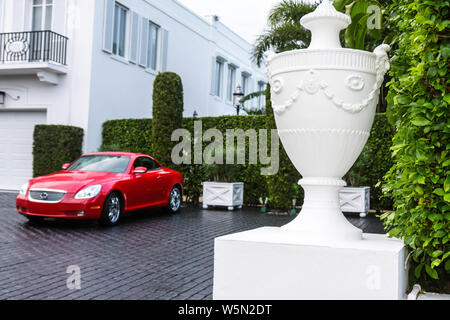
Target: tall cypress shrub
<point>419,181</point>
<point>167,115</point>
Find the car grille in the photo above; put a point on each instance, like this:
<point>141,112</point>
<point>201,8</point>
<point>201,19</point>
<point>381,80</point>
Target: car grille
<point>46,196</point>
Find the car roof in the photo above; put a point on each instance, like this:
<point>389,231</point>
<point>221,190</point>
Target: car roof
<point>124,154</point>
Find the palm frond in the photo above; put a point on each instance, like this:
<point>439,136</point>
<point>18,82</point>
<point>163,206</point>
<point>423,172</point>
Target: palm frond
<point>285,37</point>
<point>284,30</point>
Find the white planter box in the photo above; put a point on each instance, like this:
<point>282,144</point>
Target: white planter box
<point>223,194</point>
<point>355,200</point>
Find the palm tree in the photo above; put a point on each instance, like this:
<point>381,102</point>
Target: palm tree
<point>284,29</point>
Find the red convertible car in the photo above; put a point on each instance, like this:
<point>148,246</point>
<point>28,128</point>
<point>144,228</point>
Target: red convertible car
<point>102,186</point>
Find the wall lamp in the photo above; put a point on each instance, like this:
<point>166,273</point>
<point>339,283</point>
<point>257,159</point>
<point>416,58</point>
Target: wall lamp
<point>3,95</point>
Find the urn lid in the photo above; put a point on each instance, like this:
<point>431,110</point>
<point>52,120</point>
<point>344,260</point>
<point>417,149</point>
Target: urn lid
<point>325,24</point>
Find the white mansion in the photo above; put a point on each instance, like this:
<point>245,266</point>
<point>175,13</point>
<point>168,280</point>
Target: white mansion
<point>82,62</point>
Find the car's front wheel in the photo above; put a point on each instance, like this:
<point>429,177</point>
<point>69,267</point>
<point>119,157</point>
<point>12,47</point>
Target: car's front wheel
<point>174,200</point>
<point>112,210</point>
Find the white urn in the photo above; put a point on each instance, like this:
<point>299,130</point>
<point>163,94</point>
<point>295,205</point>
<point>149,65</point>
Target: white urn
<point>324,99</point>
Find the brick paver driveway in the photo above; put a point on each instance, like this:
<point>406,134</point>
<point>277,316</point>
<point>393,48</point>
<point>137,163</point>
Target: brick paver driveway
<point>150,255</point>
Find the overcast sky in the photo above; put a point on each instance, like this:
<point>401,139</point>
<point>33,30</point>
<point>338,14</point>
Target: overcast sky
<point>247,18</point>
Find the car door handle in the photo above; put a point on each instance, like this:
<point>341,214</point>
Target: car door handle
<point>158,177</point>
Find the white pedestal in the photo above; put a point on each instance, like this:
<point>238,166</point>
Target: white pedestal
<point>274,264</point>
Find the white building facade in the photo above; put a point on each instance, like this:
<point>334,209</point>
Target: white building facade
<point>83,62</point>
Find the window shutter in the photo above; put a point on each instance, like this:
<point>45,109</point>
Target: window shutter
<point>108,26</point>
<point>251,90</point>
<point>213,76</point>
<point>164,49</point>
<point>134,39</point>
<point>144,43</point>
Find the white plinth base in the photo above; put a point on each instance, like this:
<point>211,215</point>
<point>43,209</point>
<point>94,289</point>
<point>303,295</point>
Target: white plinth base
<point>274,264</point>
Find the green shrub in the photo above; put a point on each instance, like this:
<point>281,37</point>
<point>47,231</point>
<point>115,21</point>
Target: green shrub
<point>419,181</point>
<point>223,172</point>
<point>374,162</point>
<point>54,145</point>
<point>129,135</point>
<point>167,114</point>
<point>135,136</point>
<point>255,183</point>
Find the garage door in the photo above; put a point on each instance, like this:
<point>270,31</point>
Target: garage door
<point>16,146</point>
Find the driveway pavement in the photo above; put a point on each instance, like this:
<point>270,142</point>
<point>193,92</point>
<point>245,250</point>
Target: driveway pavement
<point>150,255</point>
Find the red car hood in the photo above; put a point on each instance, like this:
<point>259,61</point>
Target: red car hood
<point>72,181</point>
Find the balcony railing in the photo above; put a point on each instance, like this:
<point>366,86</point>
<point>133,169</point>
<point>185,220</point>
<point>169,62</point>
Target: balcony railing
<point>33,46</point>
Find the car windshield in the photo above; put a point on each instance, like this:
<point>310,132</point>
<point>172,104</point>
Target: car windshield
<point>101,163</point>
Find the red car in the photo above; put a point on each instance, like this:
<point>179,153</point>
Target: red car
<point>102,186</point>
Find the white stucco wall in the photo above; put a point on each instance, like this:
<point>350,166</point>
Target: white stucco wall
<point>100,87</point>
<point>68,102</point>
<point>121,89</point>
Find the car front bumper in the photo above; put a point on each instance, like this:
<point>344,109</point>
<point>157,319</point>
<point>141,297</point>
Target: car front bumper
<point>67,208</point>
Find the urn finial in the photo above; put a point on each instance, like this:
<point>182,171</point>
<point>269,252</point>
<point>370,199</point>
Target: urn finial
<point>325,24</point>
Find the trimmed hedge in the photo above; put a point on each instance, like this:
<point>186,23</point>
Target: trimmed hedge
<point>130,135</point>
<point>167,114</point>
<point>54,145</point>
<point>134,135</point>
<point>255,184</point>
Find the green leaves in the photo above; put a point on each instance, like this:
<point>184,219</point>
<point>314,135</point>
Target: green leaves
<point>418,270</point>
<point>355,34</point>
<point>419,181</point>
<point>420,121</point>
<point>366,18</point>
<point>437,253</point>
<point>340,4</point>
<point>431,272</point>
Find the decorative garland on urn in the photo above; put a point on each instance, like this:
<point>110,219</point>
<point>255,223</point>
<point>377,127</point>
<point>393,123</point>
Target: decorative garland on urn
<point>312,85</point>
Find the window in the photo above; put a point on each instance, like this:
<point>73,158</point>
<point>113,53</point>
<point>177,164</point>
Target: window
<point>261,99</point>
<point>152,47</point>
<point>219,77</point>
<point>231,84</point>
<point>42,15</point>
<point>146,163</point>
<point>120,30</point>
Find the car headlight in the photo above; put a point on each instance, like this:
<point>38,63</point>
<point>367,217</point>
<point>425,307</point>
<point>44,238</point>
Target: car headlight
<point>24,189</point>
<point>89,192</point>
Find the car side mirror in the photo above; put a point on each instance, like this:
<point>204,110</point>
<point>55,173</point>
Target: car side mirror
<point>65,166</point>
<point>140,170</point>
